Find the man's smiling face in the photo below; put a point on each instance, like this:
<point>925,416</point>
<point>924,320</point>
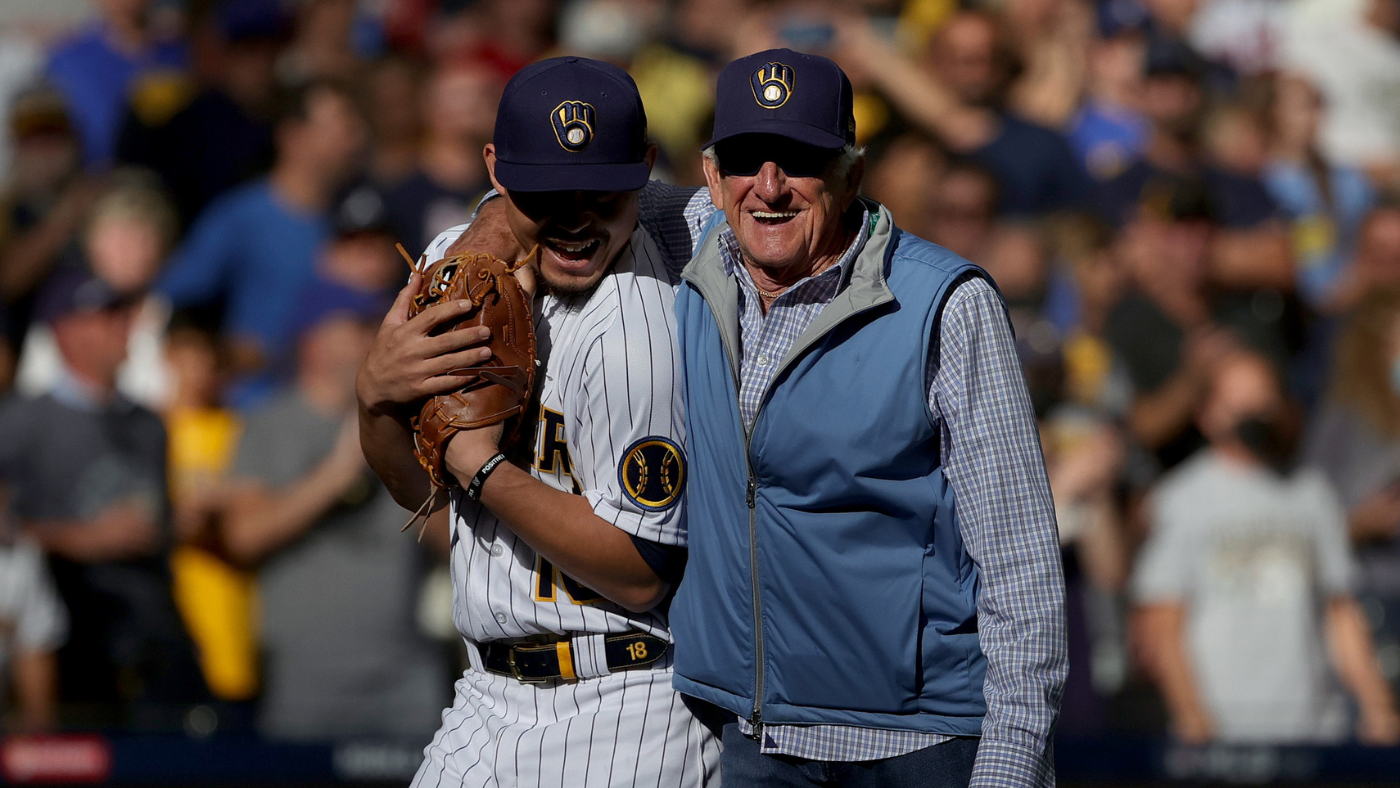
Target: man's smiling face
<point>580,233</point>
<point>784,200</point>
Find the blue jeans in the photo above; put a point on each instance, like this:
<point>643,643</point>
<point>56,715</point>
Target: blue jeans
<point>947,765</point>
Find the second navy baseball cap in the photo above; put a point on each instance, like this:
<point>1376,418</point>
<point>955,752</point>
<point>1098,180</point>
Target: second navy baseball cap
<point>803,97</point>
<point>570,123</point>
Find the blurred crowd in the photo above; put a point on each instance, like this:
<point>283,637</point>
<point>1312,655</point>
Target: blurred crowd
<point>1191,208</point>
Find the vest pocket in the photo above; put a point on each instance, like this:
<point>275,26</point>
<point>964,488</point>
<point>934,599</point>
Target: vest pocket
<point>952,665</point>
<point>850,645</point>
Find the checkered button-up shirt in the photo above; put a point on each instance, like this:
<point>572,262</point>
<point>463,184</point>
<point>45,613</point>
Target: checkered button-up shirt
<point>992,460</point>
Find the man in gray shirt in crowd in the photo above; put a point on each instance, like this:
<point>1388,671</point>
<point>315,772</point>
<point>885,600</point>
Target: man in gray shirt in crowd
<point>337,581</point>
<point>1245,584</point>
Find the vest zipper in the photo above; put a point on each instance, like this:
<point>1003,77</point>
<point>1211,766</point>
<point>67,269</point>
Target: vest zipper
<point>757,719</point>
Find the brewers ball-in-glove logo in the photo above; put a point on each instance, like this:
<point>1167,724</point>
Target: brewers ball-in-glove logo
<point>772,85</point>
<point>653,473</point>
<point>573,124</point>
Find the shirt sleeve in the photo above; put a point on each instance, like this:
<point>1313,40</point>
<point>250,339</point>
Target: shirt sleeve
<point>673,216</point>
<point>992,458</point>
<point>41,621</point>
<point>626,421</point>
<point>199,269</point>
<point>1163,573</point>
<point>1336,567</point>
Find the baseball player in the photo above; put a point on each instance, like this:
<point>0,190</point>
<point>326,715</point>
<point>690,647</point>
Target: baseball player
<point>561,571</point>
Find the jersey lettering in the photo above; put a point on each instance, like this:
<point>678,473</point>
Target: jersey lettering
<point>554,449</point>
<point>548,580</point>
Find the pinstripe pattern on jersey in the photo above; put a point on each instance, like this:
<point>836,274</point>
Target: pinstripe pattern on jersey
<point>609,378</point>
<point>584,733</point>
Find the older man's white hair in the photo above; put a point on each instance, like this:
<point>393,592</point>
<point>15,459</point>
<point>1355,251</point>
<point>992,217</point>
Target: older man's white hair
<point>850,154</point>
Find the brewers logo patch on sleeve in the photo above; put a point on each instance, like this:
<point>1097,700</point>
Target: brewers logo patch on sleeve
<point>652,473</point>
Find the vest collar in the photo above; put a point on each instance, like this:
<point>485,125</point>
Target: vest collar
<point>867,288</point>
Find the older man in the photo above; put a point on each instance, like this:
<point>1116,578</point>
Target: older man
<point>874,588</point>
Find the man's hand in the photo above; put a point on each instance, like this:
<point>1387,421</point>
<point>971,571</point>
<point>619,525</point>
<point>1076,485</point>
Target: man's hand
<point>1377,517</point>
<point>1193,727</point>
<point>122,531</point>
<point>1378,728</point>
<point>407,363</point>
<point>468,450</point>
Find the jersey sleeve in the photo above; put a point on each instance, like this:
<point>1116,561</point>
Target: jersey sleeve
<point>626,419</point>
<point>437,250</point>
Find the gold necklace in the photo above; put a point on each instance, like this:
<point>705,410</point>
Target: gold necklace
<point>766,294</point>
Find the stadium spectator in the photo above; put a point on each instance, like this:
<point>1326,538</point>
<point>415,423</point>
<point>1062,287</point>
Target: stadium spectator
<point>902,180</point>
<point>1162,328</point>
<point>95,69</point>
<point>45,201</point>
<point>1349,50</point>
<point>960,100</point>
<point>1246,584</point>
<point>87,469</point>
<point>33,624</point>
<point>322,46</point>
<point>1109,132</point>
<point>337,582</point>
<point>1376,265</point>
<point>1324,202</point>
<point>962,206</point>
<point>1355,440</point>
<point>1172,101</point>
<point>214,595</point>
<point>129,232</point>
<point>394,90</point>
<point>256,246</point>
<point>459,116</point>
<point>220,132</point>
<point>361,255</point>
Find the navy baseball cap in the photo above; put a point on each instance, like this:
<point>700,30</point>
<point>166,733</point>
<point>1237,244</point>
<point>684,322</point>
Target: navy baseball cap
<point>570,123</point>
<point>73,288</point>
<point>802,97</point>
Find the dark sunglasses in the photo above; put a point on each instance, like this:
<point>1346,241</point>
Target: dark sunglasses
<point>745,157</point>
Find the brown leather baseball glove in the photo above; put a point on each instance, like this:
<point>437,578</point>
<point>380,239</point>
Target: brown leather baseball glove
<point>495,390</point>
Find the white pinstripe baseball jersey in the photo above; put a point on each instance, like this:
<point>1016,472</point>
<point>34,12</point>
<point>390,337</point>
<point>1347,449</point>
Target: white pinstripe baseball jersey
<point>611,428</point>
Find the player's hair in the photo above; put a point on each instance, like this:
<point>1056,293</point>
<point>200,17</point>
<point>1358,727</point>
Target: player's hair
<point>136,195</point>
<point>293,104</point>
<point>846,159</point>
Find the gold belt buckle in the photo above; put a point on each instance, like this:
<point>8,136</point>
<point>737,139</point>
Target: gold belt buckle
<point>515,671</point>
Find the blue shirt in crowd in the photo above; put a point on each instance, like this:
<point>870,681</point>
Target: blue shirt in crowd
<point>1107,138</point>
<point>95,78</point>
<point>258,254</point>
<point>1324,231</point>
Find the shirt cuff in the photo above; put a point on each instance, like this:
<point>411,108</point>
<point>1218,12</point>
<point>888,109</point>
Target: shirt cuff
<point>1004,765</point>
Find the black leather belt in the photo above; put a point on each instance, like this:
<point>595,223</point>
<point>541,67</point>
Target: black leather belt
<point>534,663</point>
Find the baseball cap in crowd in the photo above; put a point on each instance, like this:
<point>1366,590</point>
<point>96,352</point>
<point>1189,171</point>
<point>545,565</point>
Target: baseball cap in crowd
<point>570,123</point>
<point>39,112</point>
<point>325,300</point>
<point>1116,17</point>
<point>802,97</point>
<point>252,20</point>
<point>363,209</point>
<point>72,289</point>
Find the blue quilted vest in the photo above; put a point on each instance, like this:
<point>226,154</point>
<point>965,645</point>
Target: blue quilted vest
<point>827,582</point>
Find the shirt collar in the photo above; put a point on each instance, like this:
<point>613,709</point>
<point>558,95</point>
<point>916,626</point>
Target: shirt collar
<point>78,394</point>
<point>729,253</point>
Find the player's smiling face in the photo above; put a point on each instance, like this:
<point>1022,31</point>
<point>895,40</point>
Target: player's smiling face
<point>784,200</point>
<point>580,233</point>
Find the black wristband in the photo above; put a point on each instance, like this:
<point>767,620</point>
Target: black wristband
<point>473,490</point>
